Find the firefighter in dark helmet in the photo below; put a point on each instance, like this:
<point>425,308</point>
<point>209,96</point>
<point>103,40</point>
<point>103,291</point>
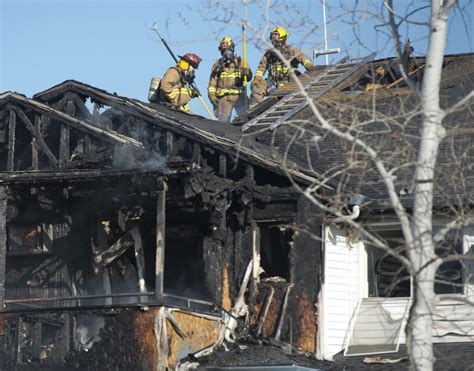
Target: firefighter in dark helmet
<point>174,87</point>
<point>278,72</point>
<point>225,89</point>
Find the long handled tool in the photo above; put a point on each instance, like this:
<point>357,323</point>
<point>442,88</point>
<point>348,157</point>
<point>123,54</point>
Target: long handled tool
<point>244,46</point>
<point>192,85</point>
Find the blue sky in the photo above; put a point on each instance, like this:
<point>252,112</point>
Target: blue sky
<point>108,43</point>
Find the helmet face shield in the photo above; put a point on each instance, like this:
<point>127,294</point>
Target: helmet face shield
<point>184,64</point>
<point>227,54</point>
<point>278,37</point>
<point>226,43</point>
<point>190,74</point>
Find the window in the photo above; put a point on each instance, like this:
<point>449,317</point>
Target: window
<point>275,243</point>
<point>184,272</point>
<point>387,277</point>
<point>449,276</point>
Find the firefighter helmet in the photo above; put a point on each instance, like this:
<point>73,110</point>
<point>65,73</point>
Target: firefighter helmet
<point>226,43</point>
<point>192,59</point>
<point>278,36</point>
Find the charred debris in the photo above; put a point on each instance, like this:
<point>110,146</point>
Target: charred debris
<point>131,238</point>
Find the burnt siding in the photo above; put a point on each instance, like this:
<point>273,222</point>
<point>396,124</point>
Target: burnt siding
<point>306,264</point>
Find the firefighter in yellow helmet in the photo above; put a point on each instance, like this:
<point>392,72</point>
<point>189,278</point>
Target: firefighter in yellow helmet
<point>174,89</point>
<point>278,72</point>
<point>226,81</point>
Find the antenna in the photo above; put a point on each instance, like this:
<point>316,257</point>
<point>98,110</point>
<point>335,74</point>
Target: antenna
<point>325,31</point>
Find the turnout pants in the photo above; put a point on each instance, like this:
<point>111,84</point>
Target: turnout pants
<point>223,109</point>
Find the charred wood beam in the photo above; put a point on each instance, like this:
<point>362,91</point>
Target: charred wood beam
<point>73,298</point>
<point>34,155</point>
<point>95,113</point>
<point>44,124</point>
<point>78,103</point>
<point>87,174</point>
<point>99,245</point>
<point>11,141</point>
<point>196,157</point>
<point>282,313</point>
<point>157,141</point>
<point>3,242</point>
<point>65,142</point>
<point>39,138</point>
<point>179,146</point>
<point>160,238</point>
<point>115,251</point>
<point>266,306</point>
<point>87,144</point>
<point>223,166</point>
<point>250,174</point>
<point>255,264</point>
<point>34,146</point>
<point>237,254</point>
<point>169,143</point>
<point>2,127</point>
<point>140,259</point>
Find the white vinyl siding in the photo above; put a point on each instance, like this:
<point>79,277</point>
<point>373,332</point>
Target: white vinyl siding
<point>341,291</point>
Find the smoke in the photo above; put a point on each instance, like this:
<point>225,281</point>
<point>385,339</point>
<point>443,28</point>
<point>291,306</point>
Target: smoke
<point>87,331</point>
<point>130,157</point>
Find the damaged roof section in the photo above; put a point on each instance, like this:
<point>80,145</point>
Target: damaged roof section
<point>36,137</point>
<point>222,137</point>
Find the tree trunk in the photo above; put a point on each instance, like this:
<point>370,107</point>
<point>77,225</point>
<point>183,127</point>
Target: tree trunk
<point>422,254</point>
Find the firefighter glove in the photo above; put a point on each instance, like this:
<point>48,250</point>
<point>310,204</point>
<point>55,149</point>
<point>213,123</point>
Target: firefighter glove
<point>246,72</point>
<point>195,92</point>
<point>213,100</point>
<point>309,66</point>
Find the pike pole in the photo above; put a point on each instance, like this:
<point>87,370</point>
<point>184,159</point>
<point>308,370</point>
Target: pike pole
<point>244,46</point>
<point>154,27</point>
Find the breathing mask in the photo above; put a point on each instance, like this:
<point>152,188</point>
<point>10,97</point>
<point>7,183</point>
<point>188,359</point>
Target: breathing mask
<point>227,54</point>
<point>190,74</point>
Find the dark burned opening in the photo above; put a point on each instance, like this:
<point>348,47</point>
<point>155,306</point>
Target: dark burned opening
<point>94,242</point>
<point>184,250</point>
<point>41,340</point>
<point>275,243</point>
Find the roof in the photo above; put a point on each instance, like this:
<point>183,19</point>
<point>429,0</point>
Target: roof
<point>449,356</point>
<point>107,134</point>
<point>220,136</point>
<point>388,119</point>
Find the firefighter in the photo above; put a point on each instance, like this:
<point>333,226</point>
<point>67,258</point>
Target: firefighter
<point>278,73</point>
<point>174,87</point>
<point>226,81</point>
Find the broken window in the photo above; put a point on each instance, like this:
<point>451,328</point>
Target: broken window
<point>449,276</point>
<point>275,244</point>
<point>63,251</point>
<point>33,270</point>
<point>387,277</point>
<point>42,339</point>
<point>186,236</point>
